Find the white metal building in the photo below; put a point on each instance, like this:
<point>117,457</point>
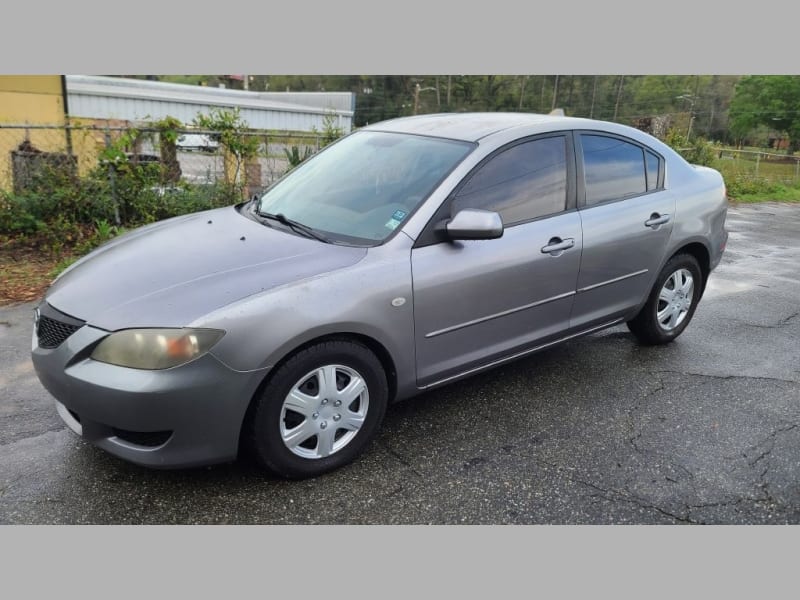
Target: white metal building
<point>98,97</point>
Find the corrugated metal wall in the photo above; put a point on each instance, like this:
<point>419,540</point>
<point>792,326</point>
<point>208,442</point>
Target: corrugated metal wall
<point>137,100</point>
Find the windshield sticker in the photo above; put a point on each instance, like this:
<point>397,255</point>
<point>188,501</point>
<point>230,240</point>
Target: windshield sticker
<point>397,217</point>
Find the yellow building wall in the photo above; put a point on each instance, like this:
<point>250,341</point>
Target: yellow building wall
<point>31,100</point>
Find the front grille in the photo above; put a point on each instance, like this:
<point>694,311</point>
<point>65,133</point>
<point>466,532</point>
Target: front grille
<point>143,438</point>
<point>53,326</point>
<point>52,333</point>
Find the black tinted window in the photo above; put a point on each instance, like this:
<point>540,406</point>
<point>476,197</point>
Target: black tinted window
<point>652,170</point>
<point>612,168</point>
<point>526,181</point>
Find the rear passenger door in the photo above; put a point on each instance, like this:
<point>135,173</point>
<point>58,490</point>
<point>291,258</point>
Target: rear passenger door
<point>627,217</point>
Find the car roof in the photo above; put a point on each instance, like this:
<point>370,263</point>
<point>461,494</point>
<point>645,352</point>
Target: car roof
<point>469,127</point>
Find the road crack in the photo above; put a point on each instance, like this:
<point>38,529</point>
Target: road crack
<point>401,459</point>
<point>782,323</point>
<point>615,496</point>
<point>769,445</point>
<point>711,376</point>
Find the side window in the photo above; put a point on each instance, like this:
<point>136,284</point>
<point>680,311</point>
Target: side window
<point>526,181</point>
<point>612,168</point>
<point>652,170</point>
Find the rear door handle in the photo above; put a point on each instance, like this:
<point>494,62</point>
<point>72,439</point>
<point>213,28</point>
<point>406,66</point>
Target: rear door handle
<point>556,245</point>
<point>656,219</point>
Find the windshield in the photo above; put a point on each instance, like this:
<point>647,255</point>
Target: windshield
<point>364,186</point>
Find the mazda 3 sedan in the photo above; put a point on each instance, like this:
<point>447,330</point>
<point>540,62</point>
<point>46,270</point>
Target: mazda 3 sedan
<point>407,255</point>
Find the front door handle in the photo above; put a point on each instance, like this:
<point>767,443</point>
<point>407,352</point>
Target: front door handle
<point>656,219</point>
<point>556,246</point>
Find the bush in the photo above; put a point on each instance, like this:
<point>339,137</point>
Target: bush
<point>330,132</point>
<point>295,157</point>
<point>59,211</point>
<point>743,184</point>
<point>698,152</point>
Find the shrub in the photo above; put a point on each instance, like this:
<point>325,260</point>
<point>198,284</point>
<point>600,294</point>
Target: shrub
<point>742,184</point>
<point>295,157</point>
<point>698,152</point>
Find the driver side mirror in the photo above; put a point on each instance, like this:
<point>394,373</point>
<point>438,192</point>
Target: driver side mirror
<point>472,224</point>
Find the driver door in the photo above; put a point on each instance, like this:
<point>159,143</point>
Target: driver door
<point>479,301</point>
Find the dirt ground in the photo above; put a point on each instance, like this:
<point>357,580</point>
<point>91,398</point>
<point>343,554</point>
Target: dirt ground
<point>24,274</point>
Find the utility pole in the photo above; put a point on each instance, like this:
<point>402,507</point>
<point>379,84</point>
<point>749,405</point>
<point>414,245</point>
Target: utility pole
<point>691,98</point>
<point>619,95</point>
<point>449,77</point>
<point>522,90</point>
<point>541,98</point>
<point>555,94</point>
<point>417,90</point>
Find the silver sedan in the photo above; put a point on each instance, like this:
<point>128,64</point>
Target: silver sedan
<point>407,255</point>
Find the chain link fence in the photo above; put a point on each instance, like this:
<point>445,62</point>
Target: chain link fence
<point>773,167</point>
<point>194,158</point>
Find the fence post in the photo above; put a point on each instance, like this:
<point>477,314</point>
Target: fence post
<point>758,160</point>
<point>112,179</point>
<point>796,169</point>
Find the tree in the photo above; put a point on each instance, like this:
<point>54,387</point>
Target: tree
<point>769,100</point>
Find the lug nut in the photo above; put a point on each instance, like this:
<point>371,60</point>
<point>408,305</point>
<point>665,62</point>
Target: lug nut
<point>337,403</point>
<point>325,401</point>
<point>315,416</point>
<point>323,425</point>
<point>337,417</point>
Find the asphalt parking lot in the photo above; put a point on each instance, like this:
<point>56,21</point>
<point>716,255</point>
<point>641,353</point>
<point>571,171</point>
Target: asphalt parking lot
<point>599,430</point>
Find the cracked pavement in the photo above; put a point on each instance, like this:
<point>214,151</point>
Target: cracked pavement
<point>598,430</point>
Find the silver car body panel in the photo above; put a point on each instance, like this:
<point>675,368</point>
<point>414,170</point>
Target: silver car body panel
<point>433,313</point>
<point>621,255</point>
<point>172,275</point>
<point>460,318</point>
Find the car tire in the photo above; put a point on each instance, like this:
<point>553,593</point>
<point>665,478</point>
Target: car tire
<point>299,426</point>
<point>666,314</point>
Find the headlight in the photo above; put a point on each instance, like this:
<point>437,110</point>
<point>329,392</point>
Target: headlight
<point>155,348</point>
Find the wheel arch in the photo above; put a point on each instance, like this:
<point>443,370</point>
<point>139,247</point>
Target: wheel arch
<point>376,347</point>
<point>700,252</point>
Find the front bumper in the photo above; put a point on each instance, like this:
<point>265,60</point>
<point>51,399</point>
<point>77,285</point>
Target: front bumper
<point>186,416</point>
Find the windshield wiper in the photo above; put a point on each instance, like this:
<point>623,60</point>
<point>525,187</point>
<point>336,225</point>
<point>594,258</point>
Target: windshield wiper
<point>294,225</point>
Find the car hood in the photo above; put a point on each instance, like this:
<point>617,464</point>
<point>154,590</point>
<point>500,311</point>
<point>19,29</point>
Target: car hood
<point>171,273</point>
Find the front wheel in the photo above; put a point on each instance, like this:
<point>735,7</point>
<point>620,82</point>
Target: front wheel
<point>671,303</point>
<point>319,410</point>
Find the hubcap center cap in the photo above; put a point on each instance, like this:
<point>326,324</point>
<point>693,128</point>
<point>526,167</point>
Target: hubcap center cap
<point>326,410</point>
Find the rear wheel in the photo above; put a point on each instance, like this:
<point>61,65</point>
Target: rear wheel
<point>671,303</point>
<point>319,410</point>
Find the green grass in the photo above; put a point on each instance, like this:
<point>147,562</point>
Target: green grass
<point>785,172</point>
<point>781,194</point>
<point>773,181</point>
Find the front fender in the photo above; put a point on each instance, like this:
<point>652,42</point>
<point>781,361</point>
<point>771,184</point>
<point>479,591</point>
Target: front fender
<point>372,298</point>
